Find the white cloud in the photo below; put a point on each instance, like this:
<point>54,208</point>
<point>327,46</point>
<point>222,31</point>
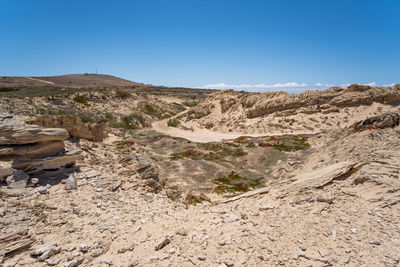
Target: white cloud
<point>291,87</point>
<point>255,86</point>
<point>389,85</point>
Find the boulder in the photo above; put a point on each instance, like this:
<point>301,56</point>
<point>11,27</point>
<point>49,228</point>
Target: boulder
<point>17,180</point>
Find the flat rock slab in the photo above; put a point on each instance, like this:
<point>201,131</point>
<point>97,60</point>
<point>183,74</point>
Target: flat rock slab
<point>321,177</point>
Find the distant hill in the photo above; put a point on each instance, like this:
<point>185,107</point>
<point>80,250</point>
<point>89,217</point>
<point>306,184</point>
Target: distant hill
<point>72,80</point>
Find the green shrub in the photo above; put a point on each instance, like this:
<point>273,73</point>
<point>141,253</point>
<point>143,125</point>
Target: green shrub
<point>173,123</point>
<point>80,99</point>
<point>192,103</point>
<point>122,94</point>
<point>233,182</point>
<point>130,122</point>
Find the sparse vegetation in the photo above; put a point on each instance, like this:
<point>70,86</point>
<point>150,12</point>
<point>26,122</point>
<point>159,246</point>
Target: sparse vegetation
<point>122,94</point>
<point>234,183</point>
<point>132,121</point>
<point>192,103</point>
<point>5,89</point>
<point>286,143</point>
<point>173,123</point>
<point>213,152</point>
<point>80,99</point>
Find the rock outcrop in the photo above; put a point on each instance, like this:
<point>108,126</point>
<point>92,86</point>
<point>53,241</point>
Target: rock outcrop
<point>17,132</point>
<point>93,131</point>
<point>277,112</point>
<point>383,121</point>
<point>26,148</point>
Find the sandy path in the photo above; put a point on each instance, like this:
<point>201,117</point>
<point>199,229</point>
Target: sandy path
<point>204,135</point>
<point>43,81</point>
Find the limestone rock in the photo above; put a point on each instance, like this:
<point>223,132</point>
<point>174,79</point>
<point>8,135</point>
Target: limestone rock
<point>16,132</point>
<point>5,170</point>
<point>31,151</point>
<point>19,179</point>
<point>321,177</point>
<point>71,183</point>
<point>383,121</point>
<point>74,125</point>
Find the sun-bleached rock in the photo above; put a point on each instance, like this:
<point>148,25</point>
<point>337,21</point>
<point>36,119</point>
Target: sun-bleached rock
<point>16,132</point>
<point>74,125</point>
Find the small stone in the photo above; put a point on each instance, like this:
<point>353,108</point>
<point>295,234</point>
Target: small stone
<point>334,235</point>
<point>261,208</point>
<point>181,232</point>
<point>231,218</point>
<point>71,183</point>
<point>133,263</point>
<point>346,259</point>
<point>83,248</point>
<point>201,258</point>
<point>300,253</point>
<point>221,243</point>
<point>375,242</point>
<point>354,230</point>
<point>228,263</point>
<point>162,243</point>
<point>35,181</point>
<point>172,251</point>
<point>153,258</point>
<point>75,262</point>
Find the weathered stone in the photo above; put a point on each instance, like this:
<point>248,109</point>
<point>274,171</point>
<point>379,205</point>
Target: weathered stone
<point>75,262</point>
<point>31,151</point>
<point>74,125</point>
<point>16,132</point>
<point>19,179</point>
<point>5,170</point>
<point>71,183</point>
<point>383,121</point>
<point>162,243</point>
<point>50,163</point>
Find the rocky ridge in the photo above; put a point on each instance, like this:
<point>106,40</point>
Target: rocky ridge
<point>282,112</point>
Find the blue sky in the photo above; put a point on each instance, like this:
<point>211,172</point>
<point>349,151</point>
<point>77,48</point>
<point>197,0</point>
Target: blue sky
<point>248,45</point>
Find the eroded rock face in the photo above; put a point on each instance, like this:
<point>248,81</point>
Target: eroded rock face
<point>383,121</point>
<point>74,125</point>
<point>17,132</point>
<point>29,149</point>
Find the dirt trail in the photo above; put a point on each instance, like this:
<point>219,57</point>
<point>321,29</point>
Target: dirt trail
<point>34,79</point>
<point>203,135</point>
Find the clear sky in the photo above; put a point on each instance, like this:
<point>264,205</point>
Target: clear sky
<point>243,44</point>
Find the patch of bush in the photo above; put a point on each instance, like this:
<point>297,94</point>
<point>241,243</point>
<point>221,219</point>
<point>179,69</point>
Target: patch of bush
<point>122,94</point>
<point>80,99</point>
<point>132,121</point>
<point>216,152</point>
<point>173,123</point>
<point>286,143</point>
<point>233,183</point>
<point>192,103</point>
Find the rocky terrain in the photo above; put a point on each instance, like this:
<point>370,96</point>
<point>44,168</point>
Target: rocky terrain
<point>90,178</point>
<point>280,112</point>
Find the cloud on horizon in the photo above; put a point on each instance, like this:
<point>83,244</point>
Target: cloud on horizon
<point>290,87</point>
